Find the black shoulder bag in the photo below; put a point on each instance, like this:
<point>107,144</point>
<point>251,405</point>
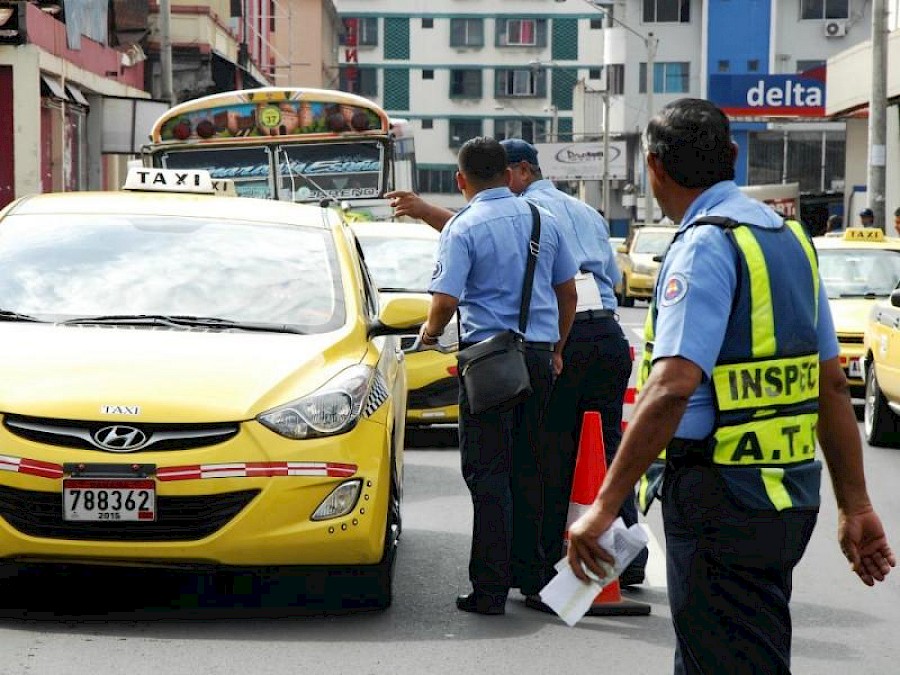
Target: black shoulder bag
<point>494,371</point>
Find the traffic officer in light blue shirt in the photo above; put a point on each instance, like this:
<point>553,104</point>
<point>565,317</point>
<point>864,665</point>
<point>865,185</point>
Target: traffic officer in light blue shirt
<point>596,360</point>
<point>481,264</point>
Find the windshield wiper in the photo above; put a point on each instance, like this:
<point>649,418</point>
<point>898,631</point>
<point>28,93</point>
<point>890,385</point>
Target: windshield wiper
<point>7,315</point>
<point>395,289</point>
<point>181,320</point>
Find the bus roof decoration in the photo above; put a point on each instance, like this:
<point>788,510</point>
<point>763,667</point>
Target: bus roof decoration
<point>282,112</point>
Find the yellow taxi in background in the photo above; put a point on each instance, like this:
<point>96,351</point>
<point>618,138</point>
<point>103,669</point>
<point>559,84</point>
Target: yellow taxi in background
<point>400,257</point>
<point>638,262</point>
<point>859,268</point>
<point>193,379</point>
<point>881,364</point>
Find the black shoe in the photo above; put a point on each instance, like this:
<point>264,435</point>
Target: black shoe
<point>480,604</point>
<point>535,602</point>
<point>631,576</point>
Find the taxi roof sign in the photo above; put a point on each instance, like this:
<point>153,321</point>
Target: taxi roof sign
<point>193,181</point>
<point>863,234</point>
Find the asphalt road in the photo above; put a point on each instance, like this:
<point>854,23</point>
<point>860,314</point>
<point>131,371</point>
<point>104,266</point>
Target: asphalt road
<point>134,623</point>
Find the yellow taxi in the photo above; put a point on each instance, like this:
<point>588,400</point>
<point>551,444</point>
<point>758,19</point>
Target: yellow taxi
<point>859,268</point>
<point>881,364</point>
<point>400,257</point>
<point>198,380</point>
<point>638,261</point>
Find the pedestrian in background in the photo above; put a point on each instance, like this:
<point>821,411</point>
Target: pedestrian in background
<point>740,493</point>
<point>480,265</point>
<point>834,224</point>
<point>596,361</point>
<point>897,221</point>
<point>867,218</point>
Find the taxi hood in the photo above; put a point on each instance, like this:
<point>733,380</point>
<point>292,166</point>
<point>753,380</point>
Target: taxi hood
<point>851,314</point>
<point>77,372</point>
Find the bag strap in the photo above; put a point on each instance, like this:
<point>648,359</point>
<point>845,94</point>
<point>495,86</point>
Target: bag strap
<point>534,247</point>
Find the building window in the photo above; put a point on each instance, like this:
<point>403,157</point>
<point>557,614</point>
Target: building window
<point>803,150</point>
<point>528,82</point>
<point>465,83</point>
<point>521,32</point>
<point>668,78</point>
<point>615,78</point>
<point>805,65</point>
<point>753,66</point>
<point>824,9</point>
<point>427,74</point>
<point>438,180</point>
<point>463,130</point>
<point>526,128</point>
<point>366,31</point>
<point>428,124</point>
<point>667,11</point>
<point>595,73</point>
<point>427,23</point>
<point>723,67</point>
<point>466,33</point>
<point>359,80</point>
<point>596,24</point>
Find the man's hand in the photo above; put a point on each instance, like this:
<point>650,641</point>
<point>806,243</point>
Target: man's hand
<point>865,546</point>
<point>557,363</point>
<point>410,204</point>
<point>583,550</point>
<point>425,340</point>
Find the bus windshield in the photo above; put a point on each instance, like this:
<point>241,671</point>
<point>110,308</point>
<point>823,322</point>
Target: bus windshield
<point>291,144</point>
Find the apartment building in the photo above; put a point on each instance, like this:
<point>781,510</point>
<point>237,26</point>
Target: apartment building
<point>566,71</point>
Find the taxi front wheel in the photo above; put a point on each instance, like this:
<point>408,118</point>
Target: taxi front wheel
<point>879,422</point>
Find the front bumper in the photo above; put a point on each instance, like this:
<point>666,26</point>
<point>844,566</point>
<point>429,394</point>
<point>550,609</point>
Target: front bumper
<point>851,360</point>
<point>243,502</point>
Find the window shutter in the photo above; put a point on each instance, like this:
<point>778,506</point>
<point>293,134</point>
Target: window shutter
<point>500,32</point>
<point>500,82</point>
<point>540,83</point>
<point>396,89</point>
<point>541,37</point>
<point>565,39</point>
<point>396,38</point>
<point>563,82</point>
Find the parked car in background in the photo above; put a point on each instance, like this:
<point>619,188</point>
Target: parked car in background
<point>881,365</point>
<point>401,258</point>
<point>198,379</point>
<point>639,261</point>
<point>859,268</point>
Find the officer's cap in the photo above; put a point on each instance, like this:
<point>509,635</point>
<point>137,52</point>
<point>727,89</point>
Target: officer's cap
<point>518,150</point>
<point>867,213</point>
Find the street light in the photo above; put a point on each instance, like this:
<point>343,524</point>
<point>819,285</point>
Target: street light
<point>650,43</point>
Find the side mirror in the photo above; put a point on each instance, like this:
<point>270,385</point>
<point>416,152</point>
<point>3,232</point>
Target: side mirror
<point>895,297</point>
<point>658,258</point>
<point>401,315</point>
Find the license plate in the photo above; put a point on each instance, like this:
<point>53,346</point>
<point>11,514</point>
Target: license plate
<point>110,500</point>
<point>854,368</point>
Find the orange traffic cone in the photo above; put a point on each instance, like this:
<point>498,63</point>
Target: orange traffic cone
<point>590,470</point>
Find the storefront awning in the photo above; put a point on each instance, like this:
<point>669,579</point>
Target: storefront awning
<point>51,87</point>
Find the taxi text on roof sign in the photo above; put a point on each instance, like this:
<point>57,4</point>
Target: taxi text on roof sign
<point>195,181</point>
<point>863,234</point>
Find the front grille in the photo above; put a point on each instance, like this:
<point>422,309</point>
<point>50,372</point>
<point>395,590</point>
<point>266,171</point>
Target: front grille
<point>39,514</point>
<point>850,339</point>
<point>80,434</point>
<point>435,395</point>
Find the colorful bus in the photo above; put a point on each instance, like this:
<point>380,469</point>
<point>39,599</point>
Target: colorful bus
<point>290,144</point>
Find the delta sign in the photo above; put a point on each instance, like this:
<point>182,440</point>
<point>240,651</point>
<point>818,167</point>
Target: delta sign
<point>798,95</point>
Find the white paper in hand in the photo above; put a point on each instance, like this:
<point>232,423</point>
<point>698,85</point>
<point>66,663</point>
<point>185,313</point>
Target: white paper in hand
<point>569,596</point>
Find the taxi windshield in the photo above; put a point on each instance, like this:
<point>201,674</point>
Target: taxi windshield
<point>848,272</point>
<point>65,267</point>
<point>653,243</point>
<point>400,264</point>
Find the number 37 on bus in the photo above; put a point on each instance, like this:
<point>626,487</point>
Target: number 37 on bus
<point>290,144</point>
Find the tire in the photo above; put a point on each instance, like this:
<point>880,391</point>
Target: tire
<point>627,300</point>
<point>378,582</point>
<point>879,421</point>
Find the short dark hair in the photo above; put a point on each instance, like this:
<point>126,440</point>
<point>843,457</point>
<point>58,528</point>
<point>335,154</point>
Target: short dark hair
<point>692,138</point>
<point>897,212</point>
<point>482,159</point>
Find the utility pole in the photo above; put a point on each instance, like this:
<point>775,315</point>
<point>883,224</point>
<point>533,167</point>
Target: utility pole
<point>650,42</point>
<point>876,179</point>
<point>165,51</point>
<point>606,154</point>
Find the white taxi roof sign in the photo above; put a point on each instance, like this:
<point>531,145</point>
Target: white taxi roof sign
<point>194,181</point>
<point>863,234</point>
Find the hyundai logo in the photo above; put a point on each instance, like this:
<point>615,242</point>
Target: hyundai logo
<point>120,438</point>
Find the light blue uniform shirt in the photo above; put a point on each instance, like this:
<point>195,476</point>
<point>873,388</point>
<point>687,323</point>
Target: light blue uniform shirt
<point>587,234</point>
<point>481,261</point>
<point>693,327</point>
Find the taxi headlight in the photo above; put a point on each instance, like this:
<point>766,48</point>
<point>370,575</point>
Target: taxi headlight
<point>332,409</point>
<point>643,269</point>
<point>340,502</point>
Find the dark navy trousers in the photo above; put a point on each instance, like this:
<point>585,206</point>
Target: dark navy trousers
<point>729,575</point>
<point>502,465</point>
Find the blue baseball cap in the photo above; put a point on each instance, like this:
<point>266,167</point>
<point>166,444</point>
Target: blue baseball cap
<point>867,212</point>
<point>518,150</point>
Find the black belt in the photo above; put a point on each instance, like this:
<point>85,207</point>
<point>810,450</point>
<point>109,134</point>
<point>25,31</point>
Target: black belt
<point>540,346</point>
<point>588,314</point>
<point>682,452</point>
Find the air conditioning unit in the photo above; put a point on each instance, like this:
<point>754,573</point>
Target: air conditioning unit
<point>835,28</point>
